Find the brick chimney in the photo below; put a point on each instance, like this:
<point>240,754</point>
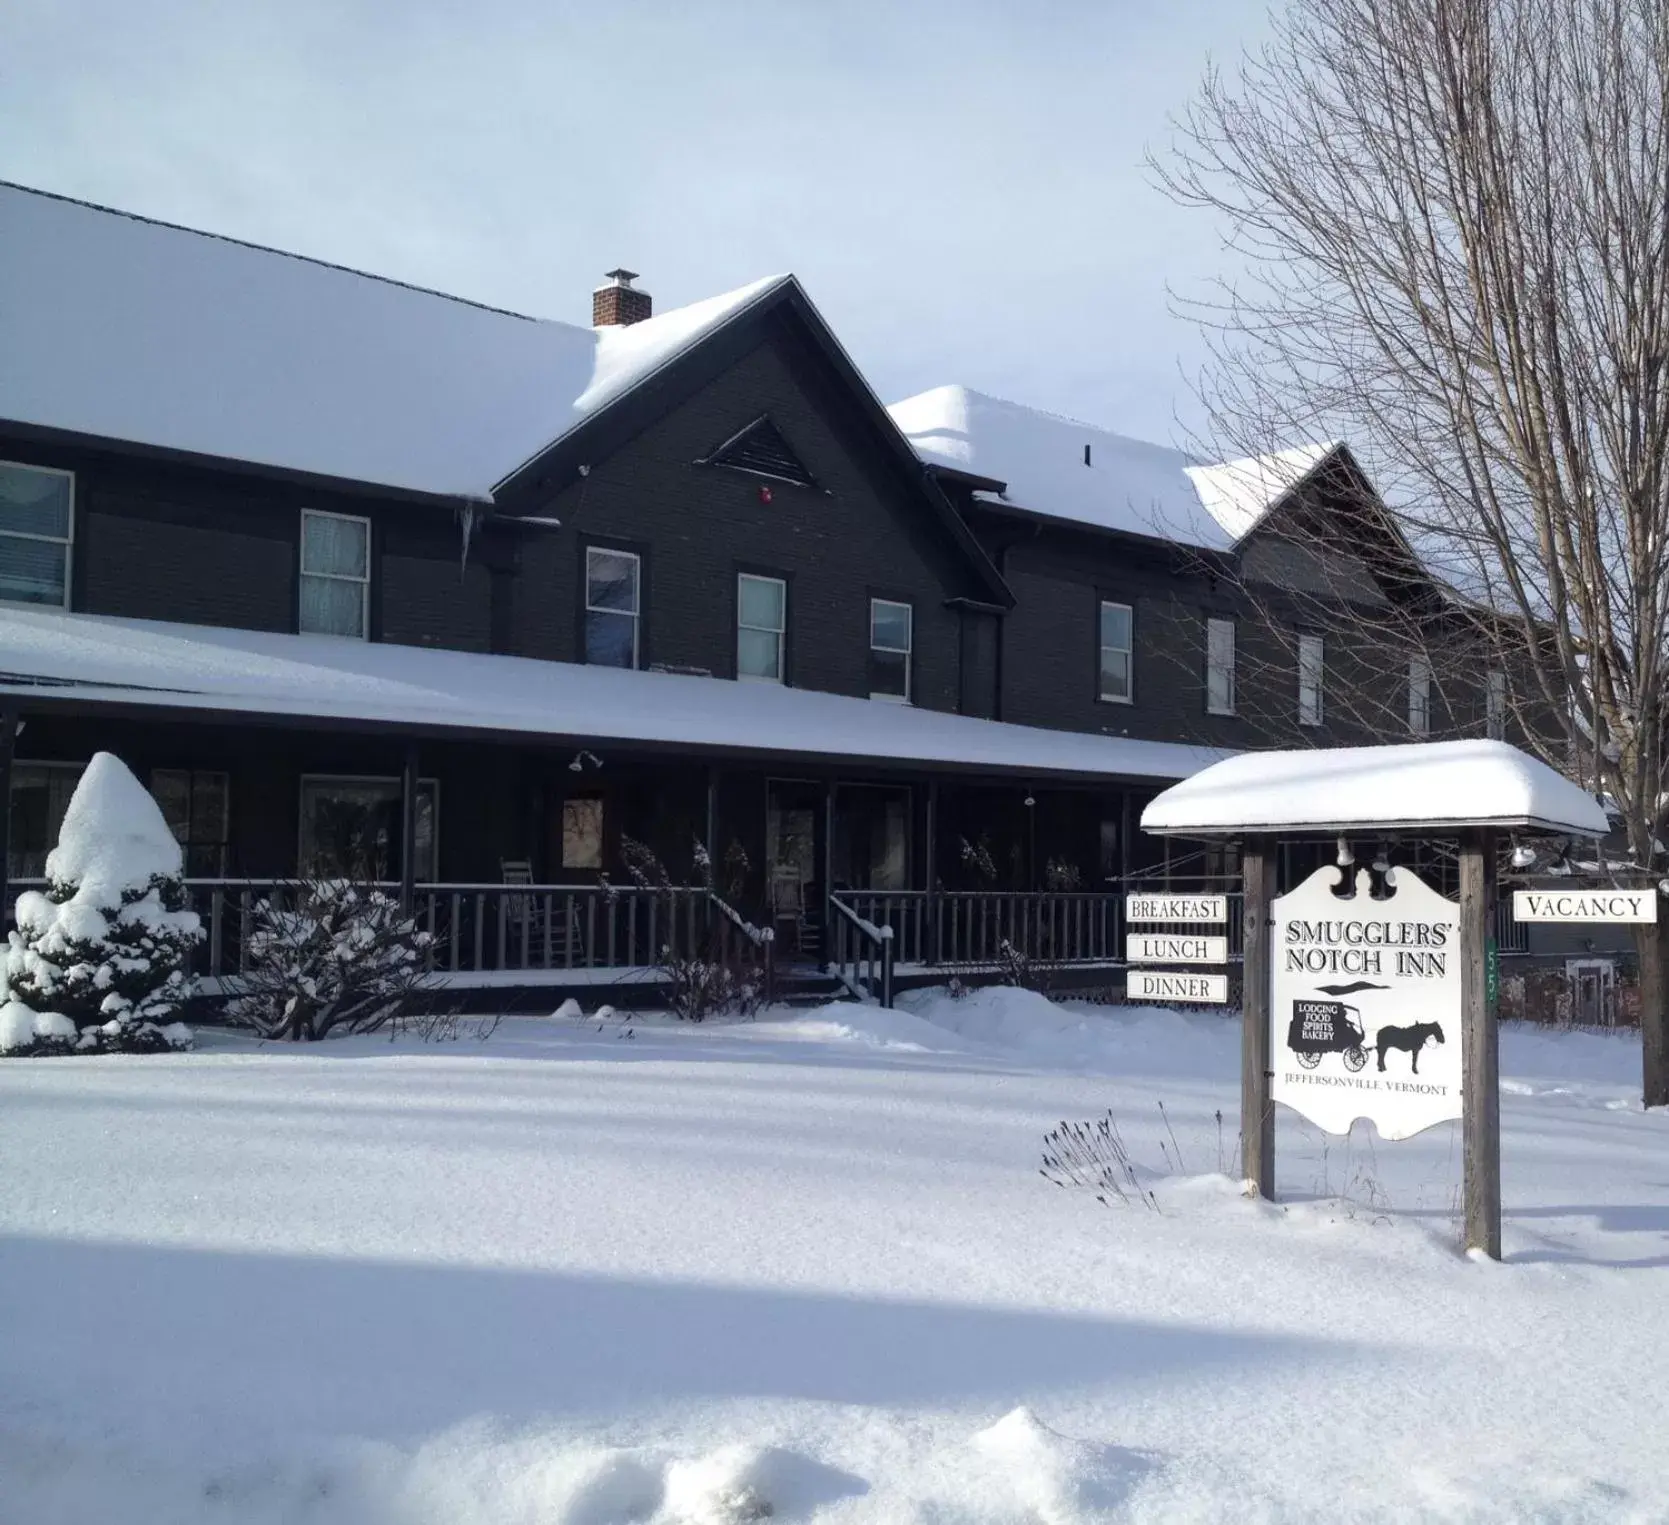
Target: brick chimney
<point>620,302</point>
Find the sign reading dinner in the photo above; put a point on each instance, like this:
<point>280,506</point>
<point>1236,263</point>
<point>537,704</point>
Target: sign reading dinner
<point>1365,1003</point>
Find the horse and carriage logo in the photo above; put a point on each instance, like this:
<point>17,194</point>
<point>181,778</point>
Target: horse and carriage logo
<point>1335,1027</point>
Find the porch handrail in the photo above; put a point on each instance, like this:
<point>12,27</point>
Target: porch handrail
<point>764,939</point>
<point>861,953</point>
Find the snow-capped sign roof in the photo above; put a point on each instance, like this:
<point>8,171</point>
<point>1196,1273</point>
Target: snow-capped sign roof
<point>1433,785</point>
<point>142,662</point>
<point>113,836</point>
<point>1066,469</point>
<point>120,327</point>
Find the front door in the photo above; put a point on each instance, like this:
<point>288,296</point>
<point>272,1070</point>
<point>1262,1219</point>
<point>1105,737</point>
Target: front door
<point>793,883</point>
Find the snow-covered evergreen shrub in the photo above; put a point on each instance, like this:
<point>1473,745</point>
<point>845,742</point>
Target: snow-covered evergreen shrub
<point>327,955</point>
<point>97,961</point>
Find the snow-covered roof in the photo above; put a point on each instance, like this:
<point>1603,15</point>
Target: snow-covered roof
<point>1435,784</point>
<point>1126,484</point>
<point>128,329</point>
<point>197,667</point>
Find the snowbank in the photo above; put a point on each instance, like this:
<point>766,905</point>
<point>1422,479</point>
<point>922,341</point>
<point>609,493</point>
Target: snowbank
<point>808,1265</point>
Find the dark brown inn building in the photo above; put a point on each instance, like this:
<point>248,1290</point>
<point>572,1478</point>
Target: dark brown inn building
<point>364,578</point>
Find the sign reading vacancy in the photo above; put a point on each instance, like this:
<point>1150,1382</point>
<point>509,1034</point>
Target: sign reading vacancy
<point>1365,1005</point>
<point>1166,985</point>
<point>1585,905</point>
<point>1206,908</point>
<point>1176,948</point>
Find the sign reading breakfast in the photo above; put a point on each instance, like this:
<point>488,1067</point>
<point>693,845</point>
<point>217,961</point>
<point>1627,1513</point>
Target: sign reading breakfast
<point>1201,908</point>
<point>1365,1004</point>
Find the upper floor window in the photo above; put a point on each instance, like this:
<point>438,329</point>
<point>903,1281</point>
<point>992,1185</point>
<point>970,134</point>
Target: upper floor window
<point>1312,664</point>
<point>613,582</point>
<point>1219,667</point>
<point>1118,623</point>
<point>891,635</point>
<point>37,524</point>
<point>1419,696</point>
<point>1495,704</point>
<point>761,620</point>
<point>335,574</point>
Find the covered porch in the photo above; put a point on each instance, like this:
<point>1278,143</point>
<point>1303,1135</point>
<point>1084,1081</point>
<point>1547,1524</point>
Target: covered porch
<point>500,797</point>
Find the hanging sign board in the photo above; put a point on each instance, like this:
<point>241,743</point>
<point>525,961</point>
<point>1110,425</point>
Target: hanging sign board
<point>1176,948</point>
<point>1365,1005</point>
<point>1167,985</point>
<point>1638,906</point>
<point>1208,908</point>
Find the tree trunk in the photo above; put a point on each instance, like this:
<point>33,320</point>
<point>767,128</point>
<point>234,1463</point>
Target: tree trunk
<point>1652,944</point>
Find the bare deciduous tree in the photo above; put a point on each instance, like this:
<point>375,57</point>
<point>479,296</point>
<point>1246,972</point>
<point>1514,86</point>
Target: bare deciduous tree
<point>1454,222</point>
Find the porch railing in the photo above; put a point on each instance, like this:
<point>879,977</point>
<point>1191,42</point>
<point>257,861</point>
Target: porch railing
<point>504,929</point>
<point>861,952</point>
<point>967,928</point>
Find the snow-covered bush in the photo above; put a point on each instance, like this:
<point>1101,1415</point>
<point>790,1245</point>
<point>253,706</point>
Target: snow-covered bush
<point>328,955</point>
<point>97,961</point>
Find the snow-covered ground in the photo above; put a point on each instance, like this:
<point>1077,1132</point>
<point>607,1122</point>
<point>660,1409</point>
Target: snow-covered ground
<point>808,1265</point>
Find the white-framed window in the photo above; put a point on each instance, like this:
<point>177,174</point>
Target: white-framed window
<point>1312,668</point>
<point>37,531</point>
<point>196,804</point>
<point>335,574</point>
<point>1419,696</point>
<point>1117,638</point>
<point>1219,667</point>
<point>1495,704</point>
<point>891,640</point>
<point>350,827</point>
<point>761,620</point>
<point>613,592</point>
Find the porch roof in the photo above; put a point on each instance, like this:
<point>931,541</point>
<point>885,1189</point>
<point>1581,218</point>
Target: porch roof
<point>1432,786</point>
<point>52,660</point>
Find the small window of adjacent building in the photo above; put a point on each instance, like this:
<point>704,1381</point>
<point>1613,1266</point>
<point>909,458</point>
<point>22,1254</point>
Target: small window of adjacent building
<point>195,804</point>
<point>37,524</point>
<point>1219,667</point>
<point>582,833</point>
<point>1495,704</point>
<point>891,635</point>
<point>1118,623</point>
<point>613,585</point>
<point>761,619</point>
<point>335,574</point>
<point>350,827</point>
<point>1312,666</point>
<point>1419,696</point>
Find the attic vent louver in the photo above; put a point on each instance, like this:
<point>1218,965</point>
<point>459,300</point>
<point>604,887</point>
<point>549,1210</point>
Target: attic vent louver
<point>761,451</point>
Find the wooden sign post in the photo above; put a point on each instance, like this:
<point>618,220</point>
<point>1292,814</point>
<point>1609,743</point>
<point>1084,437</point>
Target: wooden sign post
<point>1481,1046</point>
<point>1257,1108</point>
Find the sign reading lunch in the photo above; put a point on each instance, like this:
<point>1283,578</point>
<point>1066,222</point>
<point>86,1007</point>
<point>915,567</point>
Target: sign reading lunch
<point>1639,906</point>
<point>1365,1004</point>
<point>1176,948</point>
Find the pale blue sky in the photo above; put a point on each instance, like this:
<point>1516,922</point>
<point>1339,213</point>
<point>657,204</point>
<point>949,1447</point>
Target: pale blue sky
<point>958,185</point>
